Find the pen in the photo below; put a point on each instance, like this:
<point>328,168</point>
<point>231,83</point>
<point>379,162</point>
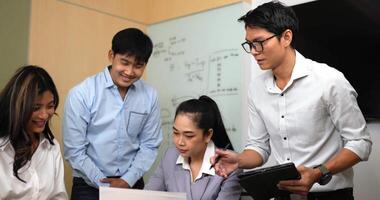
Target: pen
<point>218,157</point>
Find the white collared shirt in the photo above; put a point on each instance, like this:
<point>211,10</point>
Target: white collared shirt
<point>205,168</point>
<point>309,121</point>
<point>43,174</point>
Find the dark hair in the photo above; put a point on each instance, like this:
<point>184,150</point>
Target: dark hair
<point>16,105</point>
<point>272,16</point>
<point>133,42</point>
<point>206,115</point>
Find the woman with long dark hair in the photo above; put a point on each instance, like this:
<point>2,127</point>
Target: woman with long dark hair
<point>197,131</point>
<point>31,164</point>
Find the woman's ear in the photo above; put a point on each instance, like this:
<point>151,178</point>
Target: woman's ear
<point>209,134</point>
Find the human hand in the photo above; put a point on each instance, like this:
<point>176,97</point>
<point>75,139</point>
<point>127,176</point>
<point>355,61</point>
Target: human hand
<point>115,182</point>
<point>226,164</point>
<point>302,186</point>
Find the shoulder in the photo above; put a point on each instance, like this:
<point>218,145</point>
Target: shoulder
<point>258,85</point>
<point>145,88</point>
<point>261,78</point>
<point>323,71</point>
<point>85,91</point>
<point>91,82</point>
<point>171,155</point>
<point>55,147</point>
<point>330,80</point>
<point>85,84</point>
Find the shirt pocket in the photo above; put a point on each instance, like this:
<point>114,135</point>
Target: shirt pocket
<point>135,123</point>
<point>311,125</point>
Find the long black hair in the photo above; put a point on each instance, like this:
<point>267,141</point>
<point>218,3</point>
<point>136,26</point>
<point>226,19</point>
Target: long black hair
<point>206,115</point>
<point>16,108</point>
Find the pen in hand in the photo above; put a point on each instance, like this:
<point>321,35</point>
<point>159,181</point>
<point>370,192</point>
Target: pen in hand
<point>219,157</point>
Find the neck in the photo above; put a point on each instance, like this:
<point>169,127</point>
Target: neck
<point>283,72</point>
<point>35,141</point>
<point>196,159</point>
<point>123,92</point>
<point>195,163</point>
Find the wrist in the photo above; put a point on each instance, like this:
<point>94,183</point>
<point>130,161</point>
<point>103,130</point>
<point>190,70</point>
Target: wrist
<point>317,174</point>
<point>324,176</point>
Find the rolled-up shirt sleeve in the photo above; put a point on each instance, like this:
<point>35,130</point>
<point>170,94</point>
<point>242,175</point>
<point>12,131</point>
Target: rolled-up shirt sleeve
<point>347,117</point>
<point>258,136</point>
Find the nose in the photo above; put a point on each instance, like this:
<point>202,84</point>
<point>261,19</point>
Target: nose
<point>44,114</point>
<point>181,142</point>
<point>254,52</point>
<point>128,69</point>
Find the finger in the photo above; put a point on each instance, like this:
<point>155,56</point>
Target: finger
<point>288,182</point>
<point>221,152</point>
<point>105,180</point>
<point>212,159</point>
<point>223,172</point>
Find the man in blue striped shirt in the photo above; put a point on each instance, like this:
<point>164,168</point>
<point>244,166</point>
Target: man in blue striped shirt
<point>111,123</point>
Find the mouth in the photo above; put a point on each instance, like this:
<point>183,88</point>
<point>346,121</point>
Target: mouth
<point>39,124</point>
<point>181,151</point>
<point>126,78</point>
<point>259,61</point>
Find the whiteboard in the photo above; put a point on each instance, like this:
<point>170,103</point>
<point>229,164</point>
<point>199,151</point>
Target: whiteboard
<point>195,55</point>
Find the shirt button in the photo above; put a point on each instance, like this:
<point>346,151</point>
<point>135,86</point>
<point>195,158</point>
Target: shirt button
<point>282,94</point>
<point>282,116</point>
<point>288,159</point>
<point>284,138</point>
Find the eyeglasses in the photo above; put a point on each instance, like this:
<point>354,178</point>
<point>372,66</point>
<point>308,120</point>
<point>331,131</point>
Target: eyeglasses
<point>257,45</point>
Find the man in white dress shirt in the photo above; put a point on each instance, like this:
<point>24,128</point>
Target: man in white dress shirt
<point>301,111</point>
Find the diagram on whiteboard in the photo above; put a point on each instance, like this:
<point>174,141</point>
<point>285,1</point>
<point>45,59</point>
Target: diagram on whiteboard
<point>199,55</point>
<point>189,77</point>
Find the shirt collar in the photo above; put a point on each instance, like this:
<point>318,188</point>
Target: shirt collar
<point>44,142</point>
<point>205,168</point>
<point>5,143</point>
<point>300,70</point>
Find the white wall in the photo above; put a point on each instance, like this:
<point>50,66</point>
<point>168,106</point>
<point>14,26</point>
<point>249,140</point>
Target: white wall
<point>367,175</point>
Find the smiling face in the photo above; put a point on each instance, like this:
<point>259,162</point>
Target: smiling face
<point>188,138</point>
<point>43,110</point>
<point>125,69</point>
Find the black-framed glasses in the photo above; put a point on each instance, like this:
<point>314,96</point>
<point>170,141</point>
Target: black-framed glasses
<point>257,45</point>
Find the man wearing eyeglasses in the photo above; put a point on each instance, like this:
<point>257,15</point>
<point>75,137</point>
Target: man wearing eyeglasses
<point>301,111</point>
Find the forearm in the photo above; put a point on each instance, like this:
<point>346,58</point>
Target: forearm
<point>142,162</point>
<point>343,160</point>
<point>249,159</point>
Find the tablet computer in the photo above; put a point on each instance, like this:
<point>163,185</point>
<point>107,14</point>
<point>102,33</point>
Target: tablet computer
<point>262,183</point>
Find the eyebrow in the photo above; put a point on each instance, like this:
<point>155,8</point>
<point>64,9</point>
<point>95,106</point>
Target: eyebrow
<point>183,131</point>
<point>258,39</point>
<point>51,102</point>
<point>125,59</point>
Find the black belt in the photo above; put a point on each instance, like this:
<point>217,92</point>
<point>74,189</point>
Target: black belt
<point>138,185</point>
<point>341,194</point>
<point>113,176</point>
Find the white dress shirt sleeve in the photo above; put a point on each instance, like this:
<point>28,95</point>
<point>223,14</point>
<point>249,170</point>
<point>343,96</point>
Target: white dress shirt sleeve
<point>258,136</point>
<point>347,117</point>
